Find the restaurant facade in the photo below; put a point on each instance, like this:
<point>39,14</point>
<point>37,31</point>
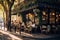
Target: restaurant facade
<point>45,16</point>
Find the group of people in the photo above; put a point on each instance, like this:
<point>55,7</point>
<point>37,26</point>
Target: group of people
<point>21,26</point>
<point>30,27</point>
<point>16,25</point>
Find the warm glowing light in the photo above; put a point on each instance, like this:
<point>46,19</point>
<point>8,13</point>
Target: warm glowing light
<point>44,13</point>
<point>59,14</point>
<point>13,17</point>
<point>53,13</point>
<point>30,15</point>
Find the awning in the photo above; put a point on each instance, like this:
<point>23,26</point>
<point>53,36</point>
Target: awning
<point>17,11</point>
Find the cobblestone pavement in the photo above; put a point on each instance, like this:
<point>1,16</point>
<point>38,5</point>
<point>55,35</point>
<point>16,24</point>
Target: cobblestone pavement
<point>4,35</point>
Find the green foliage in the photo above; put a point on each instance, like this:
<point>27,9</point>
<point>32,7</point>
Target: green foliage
<point>26,4</point>
<point>7,3</point>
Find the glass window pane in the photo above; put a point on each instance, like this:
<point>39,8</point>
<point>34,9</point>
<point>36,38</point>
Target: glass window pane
<point>52,18</point>
<point>44,17</point>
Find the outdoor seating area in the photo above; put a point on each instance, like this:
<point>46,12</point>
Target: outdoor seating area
<point>37,22</point>
<point>33,28</point>
<point>29,19</point>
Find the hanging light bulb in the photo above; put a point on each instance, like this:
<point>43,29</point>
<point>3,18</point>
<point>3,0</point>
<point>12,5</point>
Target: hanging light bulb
<point>53,13</point>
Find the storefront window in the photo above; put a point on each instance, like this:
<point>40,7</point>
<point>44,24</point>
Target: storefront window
<point>56,18</point>
<point>52,18</point>
<point>37,16</point>
<point>30,16</point>
<point>44,17</point>
<point>59,19</point>
<point>36,20</point>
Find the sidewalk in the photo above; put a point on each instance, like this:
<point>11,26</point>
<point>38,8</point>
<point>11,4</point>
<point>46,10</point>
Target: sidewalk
<point>27,36</point>
<point>4,35</point>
